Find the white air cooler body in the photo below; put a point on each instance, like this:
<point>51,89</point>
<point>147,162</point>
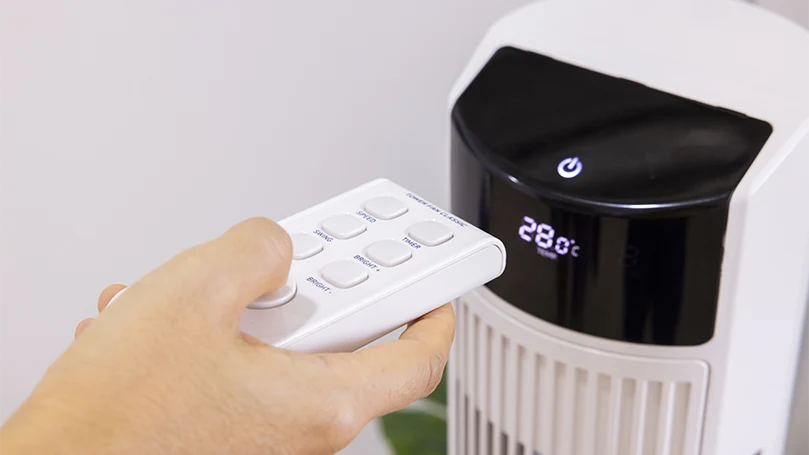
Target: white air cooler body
<point>646,164</point>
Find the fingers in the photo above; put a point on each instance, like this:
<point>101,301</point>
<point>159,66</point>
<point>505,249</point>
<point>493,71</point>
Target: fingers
<point>390,376</point>
<point>227,273</point>
<point>82,326</point>
<point>104,299</point>
<point>108,294</point>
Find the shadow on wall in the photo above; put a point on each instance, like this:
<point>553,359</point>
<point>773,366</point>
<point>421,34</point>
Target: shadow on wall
<point>798,438</point>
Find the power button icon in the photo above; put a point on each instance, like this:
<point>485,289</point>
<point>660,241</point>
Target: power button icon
<point>569,167</point>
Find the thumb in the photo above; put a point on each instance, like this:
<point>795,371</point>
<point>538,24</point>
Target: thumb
<point>223,276</point>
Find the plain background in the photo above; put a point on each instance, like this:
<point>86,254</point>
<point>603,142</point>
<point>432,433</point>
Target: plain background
<point>133,129</point>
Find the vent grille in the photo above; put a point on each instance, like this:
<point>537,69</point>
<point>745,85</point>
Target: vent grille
<point>514,393</point>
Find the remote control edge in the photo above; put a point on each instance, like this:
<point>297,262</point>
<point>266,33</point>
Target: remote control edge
<point>411,299</point>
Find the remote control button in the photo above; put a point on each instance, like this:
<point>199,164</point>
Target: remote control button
<point>385,207</point>
<point>430,233</point>
<point>388,253</point>
<point>276,298</point>
<point>344,274</point>
<point>343,226</point>
<point>305,246</point>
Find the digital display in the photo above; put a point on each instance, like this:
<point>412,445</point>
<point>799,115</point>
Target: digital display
<point>650,280</point>
<point>610,197</point>
<point>544,236</point>
<point>644,279</point>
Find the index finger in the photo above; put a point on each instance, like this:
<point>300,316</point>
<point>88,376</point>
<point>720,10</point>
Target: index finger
<point>392,375</point>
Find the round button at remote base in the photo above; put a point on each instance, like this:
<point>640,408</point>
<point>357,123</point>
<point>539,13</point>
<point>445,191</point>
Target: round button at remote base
<point>276,298</point>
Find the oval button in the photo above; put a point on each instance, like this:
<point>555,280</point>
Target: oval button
<point>276,298</point>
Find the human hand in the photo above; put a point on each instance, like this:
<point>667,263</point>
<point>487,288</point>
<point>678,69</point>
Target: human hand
<point>167,370</point>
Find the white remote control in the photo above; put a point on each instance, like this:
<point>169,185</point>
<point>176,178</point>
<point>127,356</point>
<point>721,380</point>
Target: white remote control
<point>366,263</point>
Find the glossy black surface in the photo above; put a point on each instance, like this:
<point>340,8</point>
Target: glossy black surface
<point>642,225</point>
<point>640,148</point>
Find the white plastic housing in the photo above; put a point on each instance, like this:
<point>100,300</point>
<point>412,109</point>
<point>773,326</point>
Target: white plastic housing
<point>331,319</point>
<point>558,392</point>
<point>323,317</point>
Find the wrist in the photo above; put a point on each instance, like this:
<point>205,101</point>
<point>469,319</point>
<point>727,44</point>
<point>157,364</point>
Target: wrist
<point>48,428</point>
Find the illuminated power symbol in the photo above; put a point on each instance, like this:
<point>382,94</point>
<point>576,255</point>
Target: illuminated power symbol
<point>569,167</point>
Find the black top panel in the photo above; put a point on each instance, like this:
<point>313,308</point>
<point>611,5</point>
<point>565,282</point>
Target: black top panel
<point>610,197</point>
<point>586,140</point>
<point>650,280</point>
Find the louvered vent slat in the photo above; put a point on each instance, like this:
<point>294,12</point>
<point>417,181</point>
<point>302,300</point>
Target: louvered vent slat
<point>514,397</point>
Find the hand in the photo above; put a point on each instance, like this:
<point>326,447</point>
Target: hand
<point>167,370</point>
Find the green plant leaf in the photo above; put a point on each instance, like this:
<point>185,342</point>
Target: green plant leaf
<point>420,429</point>
<point>411,432</point>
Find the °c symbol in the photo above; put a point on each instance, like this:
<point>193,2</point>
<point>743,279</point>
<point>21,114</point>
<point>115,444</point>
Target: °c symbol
<point>569,167</point>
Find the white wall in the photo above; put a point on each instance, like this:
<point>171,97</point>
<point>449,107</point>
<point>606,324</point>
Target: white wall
<point>133,129</point>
